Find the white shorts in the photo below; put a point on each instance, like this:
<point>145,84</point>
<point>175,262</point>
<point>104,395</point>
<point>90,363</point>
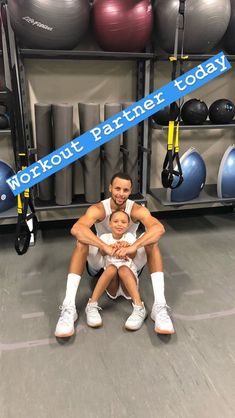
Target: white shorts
<point>120,291</point>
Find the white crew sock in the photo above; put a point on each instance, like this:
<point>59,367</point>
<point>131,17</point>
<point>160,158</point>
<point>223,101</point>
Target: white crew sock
<point>158,287</point>
<point>73,281</point>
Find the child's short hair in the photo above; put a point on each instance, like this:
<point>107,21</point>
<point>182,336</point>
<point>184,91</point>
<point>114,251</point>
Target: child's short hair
<point>119,210</point>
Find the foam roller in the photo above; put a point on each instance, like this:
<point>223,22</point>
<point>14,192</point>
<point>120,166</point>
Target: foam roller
<point>111,149</point>
<point>63,132</point>
<point>89,117</point>
<point>44,142</point>
<point>130,160</point>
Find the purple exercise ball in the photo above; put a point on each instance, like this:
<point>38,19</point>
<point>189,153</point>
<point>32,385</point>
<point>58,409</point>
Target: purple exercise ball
<point>122,25</point>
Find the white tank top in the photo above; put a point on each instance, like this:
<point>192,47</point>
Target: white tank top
<point>103,226</point>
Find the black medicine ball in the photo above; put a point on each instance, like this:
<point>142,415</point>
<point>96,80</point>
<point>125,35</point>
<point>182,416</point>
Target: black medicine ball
<point>168,113</point>
<point>222,111</point>
<point>3,122</point>
<point>194,112</point>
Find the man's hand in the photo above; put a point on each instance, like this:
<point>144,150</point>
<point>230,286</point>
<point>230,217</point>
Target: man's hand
<point>126,252</point>
<point>107,249</point>
<point>117,246</point>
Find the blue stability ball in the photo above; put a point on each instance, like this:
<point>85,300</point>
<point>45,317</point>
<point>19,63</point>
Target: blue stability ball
<point>205,24</point>
<point>194,174</point>
<point>49,24</point>
<point>226,175</point>
<point>7,199</point>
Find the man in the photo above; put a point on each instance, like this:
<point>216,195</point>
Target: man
<point>89,247</point>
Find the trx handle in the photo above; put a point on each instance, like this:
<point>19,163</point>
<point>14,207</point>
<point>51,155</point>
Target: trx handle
<point>169,173</point>
<point>23,232</point>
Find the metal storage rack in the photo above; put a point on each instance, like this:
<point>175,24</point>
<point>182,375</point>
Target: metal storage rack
<point>143,69</point>
<point>144,62</point>
<point>209,193</point>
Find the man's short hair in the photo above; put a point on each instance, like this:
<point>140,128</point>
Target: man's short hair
<point>120,175</point>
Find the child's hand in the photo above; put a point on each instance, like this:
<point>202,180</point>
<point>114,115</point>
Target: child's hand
<point>121,244</point>
<point>117,248</point>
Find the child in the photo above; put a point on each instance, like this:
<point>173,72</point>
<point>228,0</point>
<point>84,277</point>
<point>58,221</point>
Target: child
<point>119,276</point>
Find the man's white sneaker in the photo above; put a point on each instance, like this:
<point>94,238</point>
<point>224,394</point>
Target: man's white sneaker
<point>136,319</point>
<point>65,324</point>
<point>93,317</point>
<point>163,323</point>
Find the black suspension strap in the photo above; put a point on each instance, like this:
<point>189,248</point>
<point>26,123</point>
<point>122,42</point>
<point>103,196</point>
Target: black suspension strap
<point>26,216</point>
<point>25,208</point>
<point>172,155</point>
<point>168,172</point>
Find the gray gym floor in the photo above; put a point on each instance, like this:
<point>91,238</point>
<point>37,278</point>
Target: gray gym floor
<point>109,372</point>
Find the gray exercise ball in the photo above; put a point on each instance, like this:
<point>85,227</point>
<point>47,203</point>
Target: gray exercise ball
<point>228,42</point>
<point>49,24</point>
<point>206,22</point>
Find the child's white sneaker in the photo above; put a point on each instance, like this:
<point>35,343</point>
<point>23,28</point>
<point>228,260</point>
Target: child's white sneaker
<point>93,317</point>
<point>136,319</point>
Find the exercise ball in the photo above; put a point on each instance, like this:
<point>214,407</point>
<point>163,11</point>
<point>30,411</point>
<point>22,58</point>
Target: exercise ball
<point>206,22</point>
<point>49,24</point>
<point>222,111</point>
<point>226,175</point>
<point>0,35</point>
<point>194,112</point>
<point>166,114</point>
<point>3,109</point>
<point>4,122</point>
<point>194,175</point>
<point>122,25</point>
<point>7,199</point>
<point>228,41</point>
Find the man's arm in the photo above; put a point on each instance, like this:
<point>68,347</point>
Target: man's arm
<point>153,228</point>
<point>130,240</point>
<point>81,230</point>
<point>105,239</point>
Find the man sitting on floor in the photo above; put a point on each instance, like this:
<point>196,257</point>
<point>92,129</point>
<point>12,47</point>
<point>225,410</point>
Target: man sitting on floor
<point>89,244</point>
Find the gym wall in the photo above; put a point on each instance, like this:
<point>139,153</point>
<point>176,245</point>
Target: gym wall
<point>79,81</point>
<point>67,81</point>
